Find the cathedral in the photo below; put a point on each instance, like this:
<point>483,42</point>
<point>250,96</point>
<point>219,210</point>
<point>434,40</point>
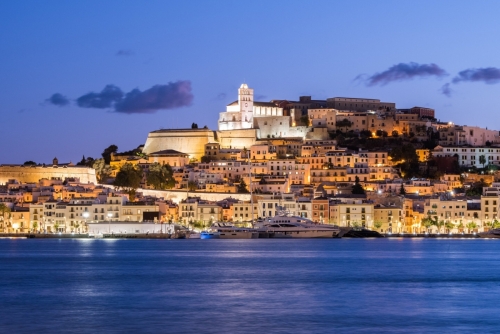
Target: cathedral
<point>241,114</point>
<point>244,122</point>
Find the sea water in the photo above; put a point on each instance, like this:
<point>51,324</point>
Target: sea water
<point>249,286</point>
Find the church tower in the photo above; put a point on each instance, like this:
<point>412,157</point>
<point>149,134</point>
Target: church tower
<point>245,102</point>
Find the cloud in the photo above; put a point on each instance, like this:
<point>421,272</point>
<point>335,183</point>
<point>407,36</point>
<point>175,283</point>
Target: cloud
<point>124,53</point>
<point>260,97</point>
<point>105,99</point>
<point>446,90</point>
<point>159,97</point>
<point>221,96</point>
<point>401,72</point>
<point>58,100</point>
<point>488,75</point>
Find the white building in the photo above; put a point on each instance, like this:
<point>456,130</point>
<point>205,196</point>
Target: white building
<point>240,114</point>
<point>470,156</point>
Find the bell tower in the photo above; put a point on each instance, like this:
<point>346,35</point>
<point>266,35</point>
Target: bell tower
<point>245,102</point>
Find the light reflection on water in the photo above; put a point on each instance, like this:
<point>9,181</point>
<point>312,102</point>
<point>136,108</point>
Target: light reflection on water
<point>248,286</point>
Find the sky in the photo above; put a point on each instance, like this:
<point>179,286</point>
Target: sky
<point>78,76</point>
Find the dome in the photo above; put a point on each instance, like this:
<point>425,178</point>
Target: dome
<point>244,86</point>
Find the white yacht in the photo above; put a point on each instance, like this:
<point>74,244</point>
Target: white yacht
<point>295,227</point>
<point>222,230</point>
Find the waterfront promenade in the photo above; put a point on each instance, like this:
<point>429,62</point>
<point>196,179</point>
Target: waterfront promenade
<point>168,236</point>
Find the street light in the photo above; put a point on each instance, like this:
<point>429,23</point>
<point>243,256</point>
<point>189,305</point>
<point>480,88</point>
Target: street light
<point>109,221</point>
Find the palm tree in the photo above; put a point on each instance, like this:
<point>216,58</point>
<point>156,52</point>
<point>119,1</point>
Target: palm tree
<point>482,160</point>
<point>427,222</point>
<point>471,226</point>
<point>440,224</point>
<point>449,226</point>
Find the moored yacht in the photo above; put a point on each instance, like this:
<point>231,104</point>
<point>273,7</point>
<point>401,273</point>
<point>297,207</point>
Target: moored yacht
<point>295,227</point>
<point>493,233</point>
<point>222,230</point>
<point>209,235</point>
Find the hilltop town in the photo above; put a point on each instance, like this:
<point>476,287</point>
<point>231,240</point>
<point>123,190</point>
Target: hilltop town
<point>345,161</point>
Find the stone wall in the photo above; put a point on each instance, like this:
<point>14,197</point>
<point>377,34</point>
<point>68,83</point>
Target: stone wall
<point>189,141</point>
<point>32,174</point>
<point>237,138</point>
<point>178,195</point>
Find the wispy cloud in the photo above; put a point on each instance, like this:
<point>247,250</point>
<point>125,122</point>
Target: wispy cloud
<point>402,72</point>
<point>124,53</point>
<point>58,100</point>
<point>221,96</point>
<point>488,75</point>
<point>446,90</point>
<point>159,97</point>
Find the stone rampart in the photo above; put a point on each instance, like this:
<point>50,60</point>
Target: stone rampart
<point>33,174</point>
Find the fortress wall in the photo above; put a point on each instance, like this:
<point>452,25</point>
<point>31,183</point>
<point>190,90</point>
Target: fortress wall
<point>237,138</point>
<point>189,141</point>
<point>178,195</point>
<point>32,174</point>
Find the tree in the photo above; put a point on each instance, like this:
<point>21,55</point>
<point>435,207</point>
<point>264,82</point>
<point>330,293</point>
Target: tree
<point>242,187</point>
<point>449,226</point>
<point>194,126</point>
<point>129,179</point>
<point>355,225</point>
<point>357,188</point>
<point>192,185</point>
<point>495,224</point>
<point>160,177</point>
<point>345,123</point>
<point>365,133</point>
<point>102,171</point>
<point>377,224</point>
<point>482,160</point>
<point>35,226</point>
<point>82,162</point>
<point>471,226</point>
<point>29,163</point>
<point>56,226</point>
<point>440,224</point>
<point>402,190</point>
<point>395,133</point>
<point>305,120</point>
<point>106,154</point>
<point>427,222</point>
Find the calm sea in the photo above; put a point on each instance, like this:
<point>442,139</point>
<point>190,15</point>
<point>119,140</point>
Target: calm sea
<point>249,286</point>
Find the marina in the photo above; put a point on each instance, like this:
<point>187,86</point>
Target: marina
<point>249,285</point>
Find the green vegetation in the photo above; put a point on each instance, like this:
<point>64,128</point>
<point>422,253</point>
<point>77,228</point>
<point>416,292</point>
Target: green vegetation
<point>192,185</point>
<point>357,188</point>
<point>242,187</point>
<point>160,177</point>
<point>102,170</point>
<point>129,179</point>
<point>305,120</point>
<point>106,154</point>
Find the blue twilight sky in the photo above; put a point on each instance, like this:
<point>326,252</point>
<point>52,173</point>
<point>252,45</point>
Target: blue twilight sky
<point>188,58</point>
